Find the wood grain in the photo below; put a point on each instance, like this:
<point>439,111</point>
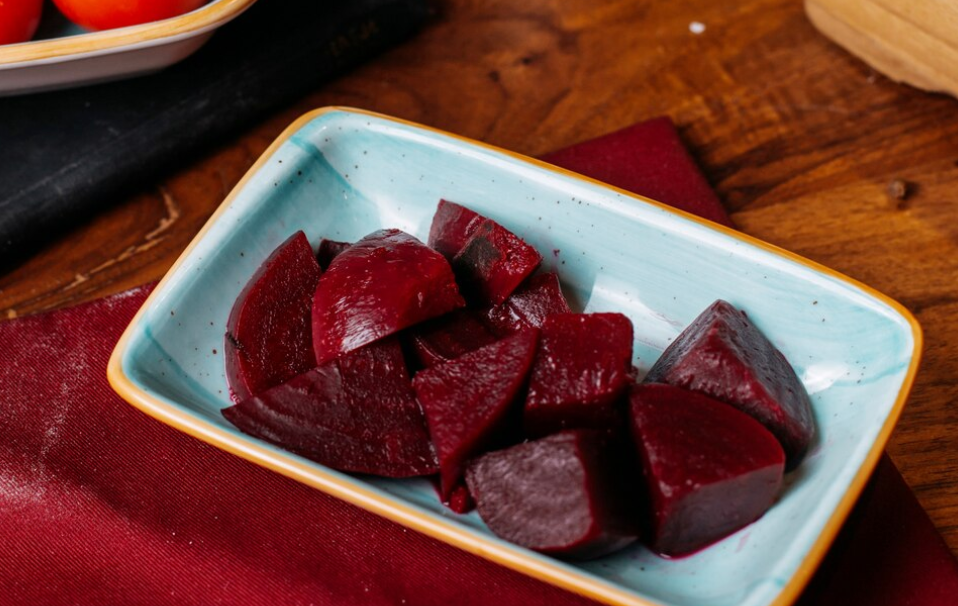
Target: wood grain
<point>800,139</point>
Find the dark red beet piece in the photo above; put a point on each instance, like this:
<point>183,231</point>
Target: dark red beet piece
<point>329,250</point>
<point>580,374</point>
<point>460,500</point>
<point>537,298</point>
<point>723,355</point>
<point>493,263</point>
<point>357,413</point>
<point>566,494</point>
<point>710,469</point>
<point>451,228</point>
<point>466,401</point>
<point>268,338</point>
<point>385,282</point>
<point>447,337</point>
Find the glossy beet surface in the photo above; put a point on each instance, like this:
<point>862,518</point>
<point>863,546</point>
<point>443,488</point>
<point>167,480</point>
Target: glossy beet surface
<point>493,262</point>
<point>467,401</point>
<point>580,374</point>
<point>451,228</point>
<point>385,282</point>
<point>447,337</point>
<point>567,494</point>
<point>537,298</point>
<point>710,469</point>
<point>357,413</point>
<point>723,355</point>
<point>268,335</point>
<point>329,250</point>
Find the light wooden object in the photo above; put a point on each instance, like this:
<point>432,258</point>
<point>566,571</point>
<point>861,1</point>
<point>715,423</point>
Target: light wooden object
<point>910,41</point>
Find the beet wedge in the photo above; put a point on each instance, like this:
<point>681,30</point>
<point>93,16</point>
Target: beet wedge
<point>268,338</point>
<point>723,355</point>
<point>710,469</point>
<point>567,494</point>
<point>387,281</point>
<point>447,337</point>
<point>537,298</point>
<point>580,374</point>
<point>493,263</point>
<point>357,413</point>
<point>467,401</point>
<point>451,228</point>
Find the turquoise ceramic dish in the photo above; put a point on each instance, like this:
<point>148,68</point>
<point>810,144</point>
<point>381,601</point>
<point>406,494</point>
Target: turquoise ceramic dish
<point>341,174</point>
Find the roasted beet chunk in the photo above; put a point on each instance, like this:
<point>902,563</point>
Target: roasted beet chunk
<point>467,401</point>
<point>448,337</point>
<point>723,355</point>
<point>357,413</point>
<point>567,494</point>
<point>329,250</point>
<point>580,374</point>
<point>493,263</point>
<point>451,228</point>
<point>710,469</point>
<point>268,338</point>
<point>385,282</point>
<point>461,501</point>
<point>537,298</point>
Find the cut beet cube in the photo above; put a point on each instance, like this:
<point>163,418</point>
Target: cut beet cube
<point>567,494</point>
<point>537,298</point>
<point>460,500</point>
<point>493,262</point>
<point>580,374</point>
<point>447,337</point>
<point>723,355</point>
<point>467,401</point>
<point>329,250</point>
<point>357,413</point>
<point>451,228</point>
<point>268,334</point>
<point>710,469</point>
<point>385,282</point>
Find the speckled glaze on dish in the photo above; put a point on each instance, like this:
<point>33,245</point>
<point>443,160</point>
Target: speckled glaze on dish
<point>341,174</point>
<point>65,55</point>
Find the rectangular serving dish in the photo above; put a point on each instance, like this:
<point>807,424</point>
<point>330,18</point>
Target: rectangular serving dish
<point>342,173</point>
<point>65,55</point>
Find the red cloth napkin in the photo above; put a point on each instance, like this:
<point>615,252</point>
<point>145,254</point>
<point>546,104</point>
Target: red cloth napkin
<point>99,504</point>
<point>648,159</point>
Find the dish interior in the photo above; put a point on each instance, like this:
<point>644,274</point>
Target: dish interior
<point>343,175</point>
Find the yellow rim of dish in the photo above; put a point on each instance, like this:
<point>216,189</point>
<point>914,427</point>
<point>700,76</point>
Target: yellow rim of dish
<point>447,531</point>
<point>209,15</point>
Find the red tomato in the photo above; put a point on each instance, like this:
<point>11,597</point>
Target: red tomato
<point>107,14</point>
<point>19,20</point>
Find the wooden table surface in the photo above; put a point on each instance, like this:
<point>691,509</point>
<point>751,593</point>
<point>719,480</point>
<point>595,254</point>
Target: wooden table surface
<point>800,139</point>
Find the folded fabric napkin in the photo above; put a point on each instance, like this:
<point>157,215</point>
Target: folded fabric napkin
<point>100,504</point>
